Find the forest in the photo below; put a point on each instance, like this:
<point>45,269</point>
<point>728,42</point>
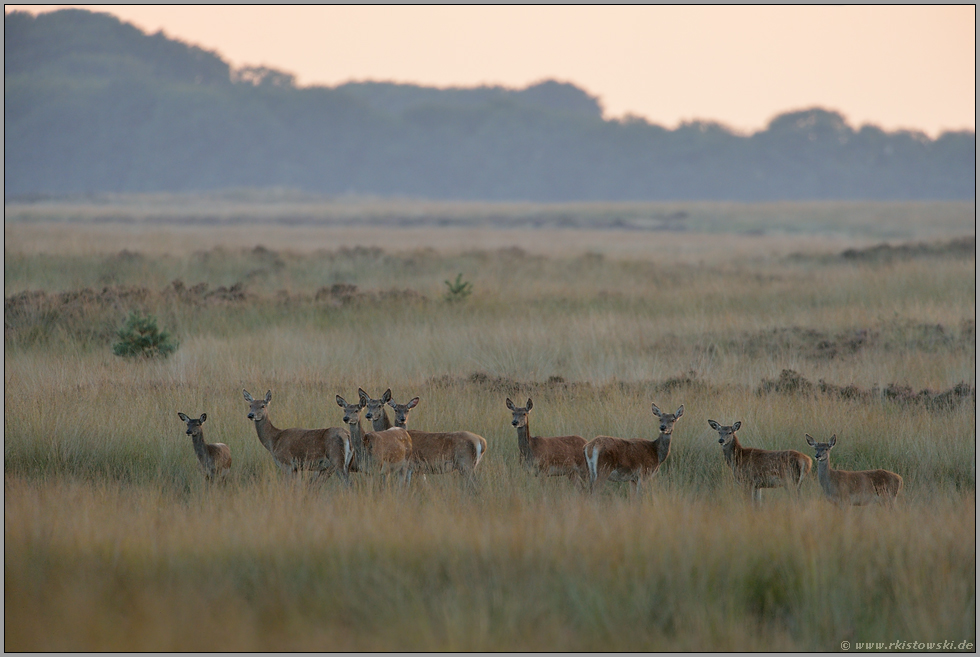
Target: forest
<point>93,104</point>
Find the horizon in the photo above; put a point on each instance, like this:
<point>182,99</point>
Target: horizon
<point>894,77</point>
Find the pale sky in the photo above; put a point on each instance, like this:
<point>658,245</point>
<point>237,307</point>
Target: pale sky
<point>908,67</point>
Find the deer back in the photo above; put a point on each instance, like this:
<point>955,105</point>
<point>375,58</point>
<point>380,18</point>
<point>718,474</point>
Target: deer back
<point>388,448</point>
<point>769,468</point>
<point>626,459</point>
<point>308,447</point>
<point>220,457</point>
<point>557,454</point>
<point>446,451</point>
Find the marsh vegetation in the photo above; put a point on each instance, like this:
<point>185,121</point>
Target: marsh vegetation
<point>114,541</point>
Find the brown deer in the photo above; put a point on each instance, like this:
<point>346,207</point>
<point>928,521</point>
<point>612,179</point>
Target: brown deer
<point>559,456</point>
<point>376,409</point>
<point>320,450</point>
<point>439,453</point>
<point>215,459</point>
<point>634,460</point>
<point>385,452</point>
<point>848,487</point>
<point>755,469</point>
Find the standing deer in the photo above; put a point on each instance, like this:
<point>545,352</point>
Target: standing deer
<point>634,460</point>
<point>376,409</point>
<point>387,452</point>
<point>847,487</point>
<point>215,459</point>
<point>321,450</point>
<point>439,453</point>
<point>755,469</point>
<point>559,456</point>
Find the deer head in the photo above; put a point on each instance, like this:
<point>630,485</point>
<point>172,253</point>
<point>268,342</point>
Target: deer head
<point>257,408</point>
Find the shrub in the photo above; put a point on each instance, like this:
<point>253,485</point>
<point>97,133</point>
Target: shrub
<point>140,337</point>
<point>459,289</point>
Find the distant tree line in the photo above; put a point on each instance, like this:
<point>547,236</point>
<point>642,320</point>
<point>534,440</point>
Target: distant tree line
<point>92,104</point>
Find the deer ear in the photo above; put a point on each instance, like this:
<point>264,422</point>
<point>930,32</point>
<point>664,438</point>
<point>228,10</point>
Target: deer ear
<point>680,411</point>
<point>737,426</point>
<point>413,403</point>
<point>182,416</point>
<point>341,402</point>
<point>204,416</point>
<point>833,440</point>
<point>363,401</point>
<point>510,404</point>
<point>361,394</point>
<point>656,411</point>
<point>268,396</point>
<point>387,396</point>
<point>530,404</point>
<point>248,397</point>
<point>714,425</point>
<point>809,440</point>
<point>391,402</point>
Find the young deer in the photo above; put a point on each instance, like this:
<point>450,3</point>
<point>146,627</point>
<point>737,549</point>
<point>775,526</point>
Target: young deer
<point>634,460</point>
<point>439,453</point>
<point>321,450</point>
<point>847,487</point>
<point>386,452</point>
<point>755,469</point>
<point>560,456</point>
<point>376,409</point>
<point>215,459</point>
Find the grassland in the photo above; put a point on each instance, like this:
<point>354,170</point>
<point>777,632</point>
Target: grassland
<point>787,317</point>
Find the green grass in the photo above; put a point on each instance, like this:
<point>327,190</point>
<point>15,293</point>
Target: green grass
<point>114,542</point>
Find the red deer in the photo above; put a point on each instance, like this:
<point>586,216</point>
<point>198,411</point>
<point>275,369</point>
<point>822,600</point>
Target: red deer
<point>559,456</point>
<point>755,469</point>
<point>376,409</point>
<point>215,459</point>
<point>848,487</point>
<point>439,453</point>
<point>634,460</point>
<point>385,452</point>
<point>320,450</point>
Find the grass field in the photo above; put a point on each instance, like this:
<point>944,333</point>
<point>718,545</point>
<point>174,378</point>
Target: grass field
<point>854,319</point>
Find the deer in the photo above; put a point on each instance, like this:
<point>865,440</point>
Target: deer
<point>440,453</point>
<point>755,469</point>
<point>387,452</point>
<point>853,487</point>
<point>320,450</point>
<point>558,456</point>
<point>376,409</point>
<point>215,459</point>
<point>635,459</point>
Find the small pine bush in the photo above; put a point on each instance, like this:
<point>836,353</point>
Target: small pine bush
<point>458,290</point>
<point>140,337</point>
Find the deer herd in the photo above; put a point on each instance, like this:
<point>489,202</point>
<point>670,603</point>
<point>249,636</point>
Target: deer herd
<point>398,452</point>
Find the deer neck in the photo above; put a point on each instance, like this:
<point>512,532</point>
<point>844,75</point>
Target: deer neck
<point>268,434</point>
<point>524,441</point>
<point>381,423</point>
<point>663,447</point>
<point>733,452</point>
<point>200,449</point>
<point>357,440</point>
<point>825,475</point>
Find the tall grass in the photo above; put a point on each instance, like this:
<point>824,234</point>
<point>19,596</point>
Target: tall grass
<point>114,542</point>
